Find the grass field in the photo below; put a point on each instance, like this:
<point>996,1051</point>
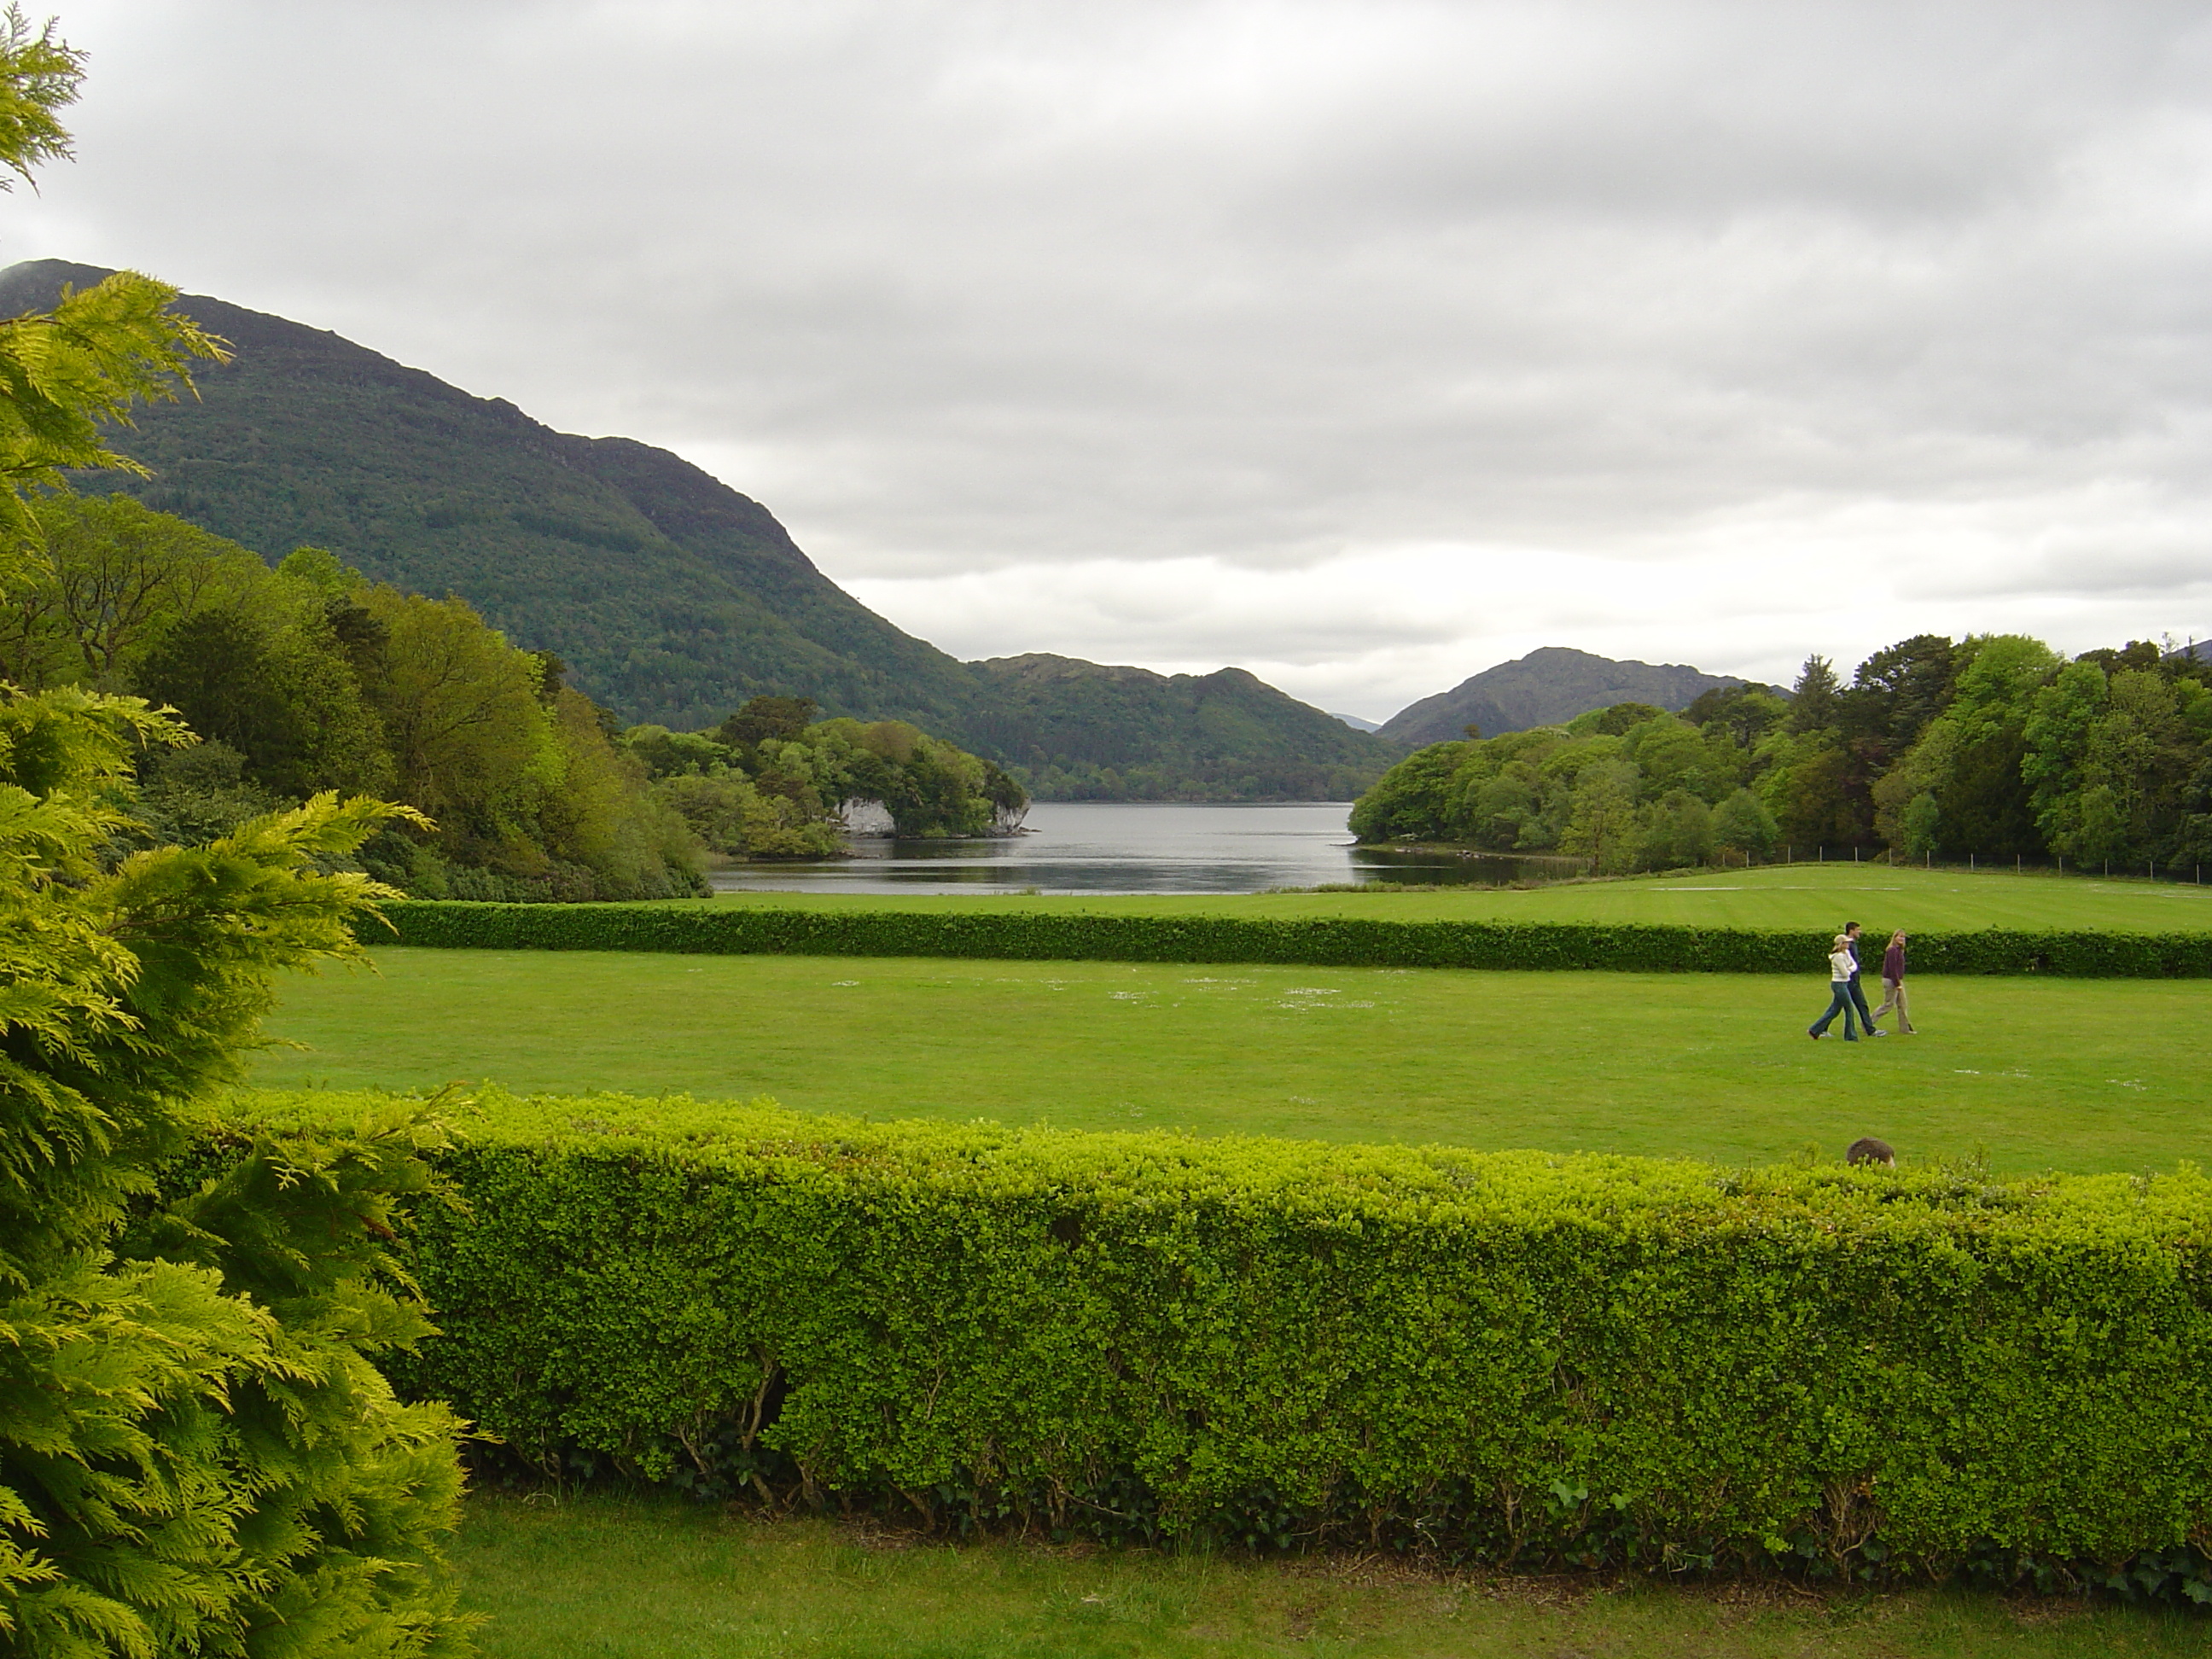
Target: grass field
<point>1793,896</point>
<point>611,1578</point>
<point>2080,1074</point>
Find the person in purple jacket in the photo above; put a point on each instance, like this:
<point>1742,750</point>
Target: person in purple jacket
<point>1892,983</point>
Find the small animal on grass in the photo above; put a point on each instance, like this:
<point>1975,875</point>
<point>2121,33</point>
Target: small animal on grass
<point>1867,1150</point>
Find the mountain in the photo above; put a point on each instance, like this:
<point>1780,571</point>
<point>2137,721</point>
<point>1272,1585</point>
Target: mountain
<point>1355,722</point>
<point>672,597</point>
<point>1082,731</point>
<point>1545,687</point>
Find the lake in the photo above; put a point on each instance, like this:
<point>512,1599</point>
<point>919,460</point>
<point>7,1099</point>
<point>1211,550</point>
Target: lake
<point>1137,846</point>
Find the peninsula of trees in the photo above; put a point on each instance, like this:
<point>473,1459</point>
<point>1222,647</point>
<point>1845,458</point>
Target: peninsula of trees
<point>1995,746</point>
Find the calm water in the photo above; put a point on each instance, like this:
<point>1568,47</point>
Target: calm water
<point>1091,846</point>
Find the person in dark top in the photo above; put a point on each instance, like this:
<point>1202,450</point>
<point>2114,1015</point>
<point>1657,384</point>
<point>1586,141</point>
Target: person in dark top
<point>1892,983</point>
<point>1858,996</point>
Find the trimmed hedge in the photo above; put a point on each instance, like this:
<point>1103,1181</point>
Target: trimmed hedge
<point>1332,942</point>
<point>1512,1357</point>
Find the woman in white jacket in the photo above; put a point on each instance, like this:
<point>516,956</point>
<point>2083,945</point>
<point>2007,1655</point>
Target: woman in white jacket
<point>1841,967</point>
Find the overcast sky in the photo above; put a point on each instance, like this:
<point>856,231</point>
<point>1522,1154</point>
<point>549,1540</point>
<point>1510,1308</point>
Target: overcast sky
<point>1363,345</point>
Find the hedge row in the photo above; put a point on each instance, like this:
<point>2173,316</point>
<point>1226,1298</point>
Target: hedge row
<point>1512,1357</point>
<point>1333,942</point>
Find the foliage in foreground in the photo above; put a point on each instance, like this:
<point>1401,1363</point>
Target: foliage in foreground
<point>1322,941</point>
<point>1513,1357</point>
<point>197,1451</point>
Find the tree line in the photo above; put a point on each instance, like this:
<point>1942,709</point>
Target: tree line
<point>1994,745</point>
<point>308,677</point>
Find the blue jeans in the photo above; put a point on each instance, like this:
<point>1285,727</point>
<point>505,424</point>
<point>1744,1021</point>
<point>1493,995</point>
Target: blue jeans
<point>1858,1001</point>
<point>1840,1003</point>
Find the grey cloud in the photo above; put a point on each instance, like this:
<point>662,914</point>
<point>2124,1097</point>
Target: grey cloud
<point>1729,300</point>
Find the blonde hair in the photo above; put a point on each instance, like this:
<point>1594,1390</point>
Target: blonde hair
<point>1841,940</point>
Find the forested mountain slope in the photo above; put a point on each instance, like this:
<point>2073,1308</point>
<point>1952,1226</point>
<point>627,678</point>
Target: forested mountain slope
<point>671,598</point>
<point>1545,687</point>
<point>1079,730</point>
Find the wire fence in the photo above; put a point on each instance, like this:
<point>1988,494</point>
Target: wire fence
<point>2185,873</point>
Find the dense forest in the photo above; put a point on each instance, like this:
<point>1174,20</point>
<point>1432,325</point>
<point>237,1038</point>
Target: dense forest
<point>1995,746</point>
<point>310,677</point>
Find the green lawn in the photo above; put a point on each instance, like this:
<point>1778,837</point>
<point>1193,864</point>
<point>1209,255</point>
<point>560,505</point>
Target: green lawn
<point>2078,1074</point>
<point>1793,896</point>
<point>611,1578</point>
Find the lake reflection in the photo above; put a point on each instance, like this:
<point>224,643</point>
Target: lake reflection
<point>1097,847</point>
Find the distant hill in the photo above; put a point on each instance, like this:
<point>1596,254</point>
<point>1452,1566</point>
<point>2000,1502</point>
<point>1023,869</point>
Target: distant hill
<point>672,597</point>
<point>1080,730</point>
<point>1355,722</point>
<point>1545,687</point>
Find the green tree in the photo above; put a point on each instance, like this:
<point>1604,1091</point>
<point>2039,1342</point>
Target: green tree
<point>278,689</point>
<point>768,717</point>
<point>1985,796</point>
<point>1741,714</point>
<point>1678,833</point>
<point>1813,700</point>
<point>1899,689</point>
<point>1742,822</point>
<point>198,1454</point>
<point>1414,800</point>
<point>1603,826</point>
<point>1922,820</point>
<point>115,575</point>
<point>195,1443</point>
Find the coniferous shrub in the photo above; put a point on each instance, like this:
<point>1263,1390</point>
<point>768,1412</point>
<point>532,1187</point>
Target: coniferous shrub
<point>197,1453</point>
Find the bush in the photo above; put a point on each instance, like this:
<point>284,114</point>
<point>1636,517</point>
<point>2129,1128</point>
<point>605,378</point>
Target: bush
<point>1333,942</point>
<point>1513,1356</point>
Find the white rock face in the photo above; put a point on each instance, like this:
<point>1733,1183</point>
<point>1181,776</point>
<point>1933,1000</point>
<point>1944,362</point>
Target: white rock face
<point>865,817</point>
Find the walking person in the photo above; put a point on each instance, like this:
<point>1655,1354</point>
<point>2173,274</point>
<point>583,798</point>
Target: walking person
<point>1858,996</point>
<point>1842,965</point>
<point>1892,983</point>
